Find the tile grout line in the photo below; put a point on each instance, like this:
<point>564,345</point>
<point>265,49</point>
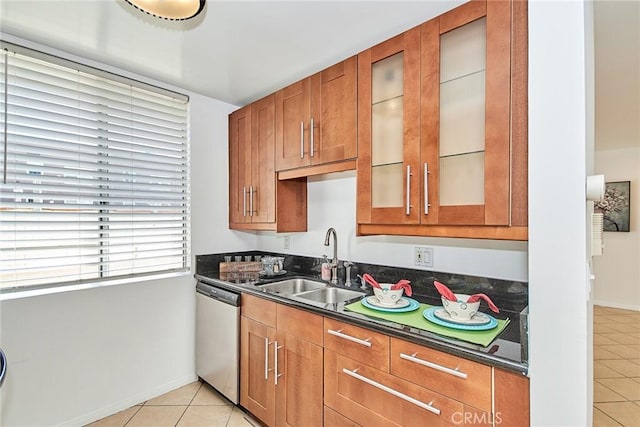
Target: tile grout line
<point>189,404</point>
<point>610,319</point>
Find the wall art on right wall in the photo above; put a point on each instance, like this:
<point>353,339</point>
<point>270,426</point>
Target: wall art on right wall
<point>615,206</point>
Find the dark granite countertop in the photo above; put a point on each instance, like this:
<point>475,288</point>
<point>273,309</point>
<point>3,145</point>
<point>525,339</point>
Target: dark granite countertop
<point>507,351</point>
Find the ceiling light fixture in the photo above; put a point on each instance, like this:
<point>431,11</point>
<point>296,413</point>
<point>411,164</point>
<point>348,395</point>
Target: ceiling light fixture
<point>173,10</point>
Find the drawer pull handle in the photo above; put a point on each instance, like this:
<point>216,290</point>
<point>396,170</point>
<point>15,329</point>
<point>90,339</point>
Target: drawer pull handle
<point>349,337</point>
<point>302,140</point>
<point>276,347</point>
<point>454,372</point>
<point>266,358</point>
<point>389,390</point>
<point>311,138</point>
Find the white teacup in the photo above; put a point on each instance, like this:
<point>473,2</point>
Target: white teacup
<point>461,309</point>
<point>386,296</point>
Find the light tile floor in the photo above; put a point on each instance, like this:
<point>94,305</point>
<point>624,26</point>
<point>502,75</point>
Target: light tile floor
<point>193,405</point>
<point>616,367</point>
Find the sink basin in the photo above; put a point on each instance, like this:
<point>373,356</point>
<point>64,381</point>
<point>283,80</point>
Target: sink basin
<point>330,295</point>
<point>293,286</point>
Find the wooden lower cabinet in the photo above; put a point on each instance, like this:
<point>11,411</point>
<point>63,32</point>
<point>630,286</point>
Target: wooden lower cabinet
<point>281,364</point>
<point>257,385</point>
<point>334,419</point>
<point>371,397</point>
<point>511,396</point>
<point>300,369</point>
<point>461,379</point>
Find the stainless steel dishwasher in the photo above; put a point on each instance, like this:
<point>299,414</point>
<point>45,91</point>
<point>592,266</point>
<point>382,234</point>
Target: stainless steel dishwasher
<point>218,338</point>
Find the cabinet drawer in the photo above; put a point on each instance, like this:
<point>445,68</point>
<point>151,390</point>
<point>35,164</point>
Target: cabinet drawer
<point>455,377</point>
<point>357,343</point>
<point>371,397</point>
<point>334,419</point>
<point>302,324</point>
<point>258,309</point>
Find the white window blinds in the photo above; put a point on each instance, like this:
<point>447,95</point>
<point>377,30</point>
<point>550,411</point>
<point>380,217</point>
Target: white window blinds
<point>95,176</point>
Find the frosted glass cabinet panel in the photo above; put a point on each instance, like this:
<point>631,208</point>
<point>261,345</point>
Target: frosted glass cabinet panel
<point>387,78</point>
<point>386,138</point>
<point>462,115</point>
<point>387,131</point>
<point>462,180</point>
<point>463,51</point>
<point>387,181</point>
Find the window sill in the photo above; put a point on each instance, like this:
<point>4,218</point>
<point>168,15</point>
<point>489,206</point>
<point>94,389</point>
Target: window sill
<point>28,293</point>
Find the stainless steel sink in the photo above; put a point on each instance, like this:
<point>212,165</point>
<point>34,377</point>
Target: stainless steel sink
<point>311,291</point>
<point>293,286</point>
<point>330,295</point>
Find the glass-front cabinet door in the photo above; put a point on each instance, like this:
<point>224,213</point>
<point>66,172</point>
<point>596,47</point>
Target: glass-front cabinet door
<point>389,131</point>
<point>465,116</point>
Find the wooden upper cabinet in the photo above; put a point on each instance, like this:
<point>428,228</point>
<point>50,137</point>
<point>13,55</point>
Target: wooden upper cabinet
<point>462,170</point>
<point>316,118</point>
<point>465,115</point>
<point>257,201</point>
<point>251,163</point>
<point>389,131</point>
<point>239,163</point>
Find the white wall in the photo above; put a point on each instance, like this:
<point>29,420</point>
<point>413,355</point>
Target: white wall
<point>617,271</point>
<point>77,356</point>
<point>559,131</point>
<point>332,203</point>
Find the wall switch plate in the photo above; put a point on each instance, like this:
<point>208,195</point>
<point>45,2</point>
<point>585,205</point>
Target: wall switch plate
<point>287,242</point>
<point>423,256</point>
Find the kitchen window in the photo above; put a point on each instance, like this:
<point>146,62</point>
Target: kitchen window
<point>94,174</point>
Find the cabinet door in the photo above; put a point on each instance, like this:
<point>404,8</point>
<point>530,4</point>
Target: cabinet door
<point>239,164</point>
<point>511,396</point>
<point>299,383</point>
<point>262,196</point>
<point>293,111</point>
<point>257,389</point>
<point>333,111</point>
<point>466,116</point>
<point>389,131</point>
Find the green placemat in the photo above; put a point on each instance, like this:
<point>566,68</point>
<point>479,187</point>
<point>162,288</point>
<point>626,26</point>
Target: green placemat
<point>416,320</point>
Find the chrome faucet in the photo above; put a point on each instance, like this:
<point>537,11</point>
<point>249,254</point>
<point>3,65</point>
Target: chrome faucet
<point>334,261</point>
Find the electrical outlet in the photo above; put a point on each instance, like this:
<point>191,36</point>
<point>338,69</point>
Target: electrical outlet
<point>423,256</point>
<point>287,242</point>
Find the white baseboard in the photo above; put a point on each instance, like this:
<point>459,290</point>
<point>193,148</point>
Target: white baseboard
<point>616,305</point>
<point>128,402</point>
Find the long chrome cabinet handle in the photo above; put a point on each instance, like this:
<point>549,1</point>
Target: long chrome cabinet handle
<point>275,361</point>
<point>311,132</point>
<point>251,200</point>
<point>244,201</point>
<point>408,189</point>
<point>435,366</point>
<point>266,358</point>
<point>302,140</point>
<point>365,342</point>
<point>426,189</point>
<point>389,390</point>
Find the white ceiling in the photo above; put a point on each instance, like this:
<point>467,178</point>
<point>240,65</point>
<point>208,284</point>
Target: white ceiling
<point>235,51</point>
<point>238,51</point>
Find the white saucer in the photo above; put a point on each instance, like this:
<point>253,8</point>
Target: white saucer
<point>402,303</point>
<point>477,319</point>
